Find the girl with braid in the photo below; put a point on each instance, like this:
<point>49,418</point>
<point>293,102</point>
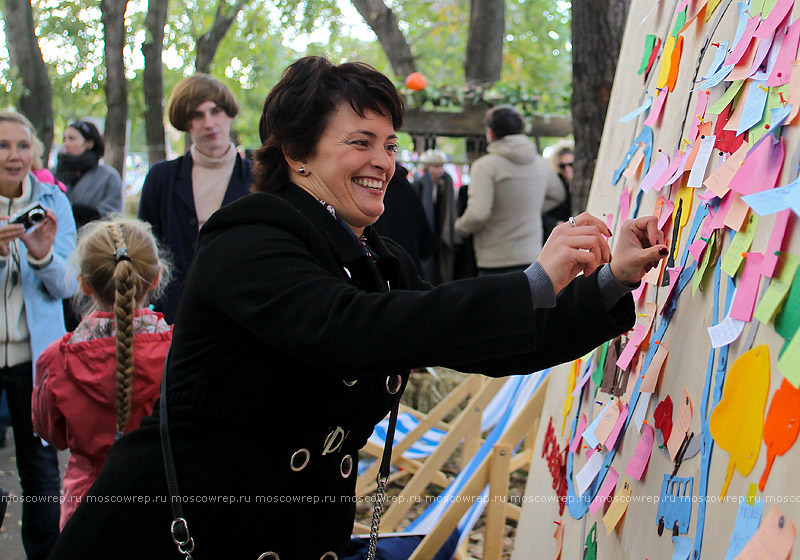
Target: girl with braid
<point>98,382</point>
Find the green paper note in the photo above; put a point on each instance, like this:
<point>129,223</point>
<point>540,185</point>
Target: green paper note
<point>740,244</point>
<point>726,98</point>
<point>773,102</point>
<point>649,43</point>
<point>768,5</point>
<point>590,545</point>
<point>700,273</point>
<point>788,319</point>
<point>757,7</point>
<point>789,362</point>
<point>679,23</point>
<point>778,288</point>
<point>597,374</point>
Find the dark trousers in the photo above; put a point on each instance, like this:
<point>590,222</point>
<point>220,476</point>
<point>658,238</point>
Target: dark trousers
<point>503,270</point>
<point>37,466</point>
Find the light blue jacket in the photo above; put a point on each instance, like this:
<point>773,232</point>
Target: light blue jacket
<point>44,289</point>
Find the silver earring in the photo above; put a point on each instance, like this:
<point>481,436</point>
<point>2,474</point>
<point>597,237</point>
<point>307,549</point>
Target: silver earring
<point>302,170</point>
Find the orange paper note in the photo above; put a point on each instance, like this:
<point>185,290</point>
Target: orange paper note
<point>773,540</point>
<point>680,427</point>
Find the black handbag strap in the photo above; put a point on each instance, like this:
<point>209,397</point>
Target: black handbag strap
<point>179,528</point>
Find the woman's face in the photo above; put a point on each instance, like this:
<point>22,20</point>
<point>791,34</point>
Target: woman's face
<point>16,154</point>
<point>74,142</point>
<point>351,165</point>
<point>565,165</point>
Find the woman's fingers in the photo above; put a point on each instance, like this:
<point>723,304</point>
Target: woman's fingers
<point>587,219</point>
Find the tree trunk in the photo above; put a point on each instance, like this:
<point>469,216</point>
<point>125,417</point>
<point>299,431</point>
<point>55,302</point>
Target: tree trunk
<point>113,16</point>
<point>484,60</point>
<point>383,22</point>
<point>154,80</point>
<point>208,42</point>
<point>36,100</point>
<point>597,30</point>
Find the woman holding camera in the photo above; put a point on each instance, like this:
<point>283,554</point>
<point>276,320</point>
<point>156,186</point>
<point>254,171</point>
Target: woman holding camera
<point>93,188</point>
<point>37,235</point>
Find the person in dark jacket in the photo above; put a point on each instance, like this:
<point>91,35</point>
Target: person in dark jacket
<point>179,195</point>
<point>562,159</point>
<point>299,324</point>
<point>403,219</point>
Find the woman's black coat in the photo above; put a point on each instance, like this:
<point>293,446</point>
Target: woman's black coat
<point>286,339</point>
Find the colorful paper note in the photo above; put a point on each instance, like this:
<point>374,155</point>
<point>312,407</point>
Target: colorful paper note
<point>737,211</point>
<point>775,243</point>
<point>776,16</point>
<point>607,421</point>
<point>789,362</point>
<point>719,180</point>
<point>781,426</point>
<point>641,455</point>
<point>649,43</point>
<point>658,107</point>
<point>656,172</point>
<point>576,439</point>
<point>787,320</point>
<point>588,434</point>
<point>737,422</point>
<point>618,506</point>
<point>612,438</point>
<point>747,521</point>
<point>742,45</point>
<point>680,426</point>
<point>609,483</point>
<point>638,111</point>
<point>725,332</point>
<point>588,473</point>
<point>761,167</point>
<point>773,200</point>
<point>656,366</point>
<point>740,244</point>
<point>644,321</point>
<point>773,540</point>
<point>778,289</point>
<point>698,172</point>
<point>640,412</point>
<point>558,535</point>
<point>745,300</point>
<point>782,68</point>
<point>571,380</point>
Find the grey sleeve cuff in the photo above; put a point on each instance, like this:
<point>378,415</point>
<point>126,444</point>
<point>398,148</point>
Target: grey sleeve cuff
<point>542,291</point>
<point>611,289</point>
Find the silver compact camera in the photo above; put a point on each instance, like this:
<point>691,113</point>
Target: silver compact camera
<point>29,217</point>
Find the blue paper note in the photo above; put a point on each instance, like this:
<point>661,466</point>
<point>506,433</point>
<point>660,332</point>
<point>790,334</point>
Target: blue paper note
<point>717,78</point>
<point>754,106</point>
<point>774,200</point>
<point>645,137</point>
<point>778,116</point>
<point>638,111</point>
<point>793,200</point>
<point>683,547</point>
<point>719,58</point>
<point>747,521</point>
<point>588,433</point>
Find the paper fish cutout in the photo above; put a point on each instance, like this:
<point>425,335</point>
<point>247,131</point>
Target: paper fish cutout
<point>781,426</point>
<point>737,422</point>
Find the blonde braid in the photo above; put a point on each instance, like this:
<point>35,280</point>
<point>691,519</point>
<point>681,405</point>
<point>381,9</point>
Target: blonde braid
<point>124,305</point>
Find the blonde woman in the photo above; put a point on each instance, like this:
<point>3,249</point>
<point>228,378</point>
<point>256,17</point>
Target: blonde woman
<point>89,388</point>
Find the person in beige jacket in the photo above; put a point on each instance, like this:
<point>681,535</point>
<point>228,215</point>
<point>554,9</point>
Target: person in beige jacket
<point>510,188</point>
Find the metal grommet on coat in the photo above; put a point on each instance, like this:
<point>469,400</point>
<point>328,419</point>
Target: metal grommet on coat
<point>350,383</point>
<point>346,466</point>
<point>269,556</point>
<point>393,383</point>
<point>334,440</point>
<point>300,459</point>
<point>329,556</point>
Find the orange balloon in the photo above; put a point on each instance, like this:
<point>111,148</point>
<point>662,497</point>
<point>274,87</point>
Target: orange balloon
<point>416,81</point>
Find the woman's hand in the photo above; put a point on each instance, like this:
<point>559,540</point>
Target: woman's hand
<point>9,233</point>
<point>639,247</point>
<point>572,249</point>
<point>41,239</point>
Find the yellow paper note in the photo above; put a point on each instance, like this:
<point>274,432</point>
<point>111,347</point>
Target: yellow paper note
<point>778,288</point>
<point>618,507</point>
<point>740,244</point>
<point>666,56</point>
<point>571,380</point>
<point>737,422</point>
<point>773,540</point>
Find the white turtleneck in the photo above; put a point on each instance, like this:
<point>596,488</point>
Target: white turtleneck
<point>210,178</point>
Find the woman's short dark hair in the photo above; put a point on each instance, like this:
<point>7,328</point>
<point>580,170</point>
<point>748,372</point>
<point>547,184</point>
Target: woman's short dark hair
<point>90,132</point>
<point>191,92</point>
<point>505,120</point>
<point>298,109</point>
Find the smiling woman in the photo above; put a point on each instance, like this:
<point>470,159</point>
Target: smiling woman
<point>297,328</point>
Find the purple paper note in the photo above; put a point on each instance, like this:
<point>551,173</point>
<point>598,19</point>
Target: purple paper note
<point>745,299</point>
<point>641,455</point>
<point>658,106</point>
<point>699,113</point>
<point>609,483</point>
<point>656,171</point>
<point>576,439</point>
<point>666,213</point>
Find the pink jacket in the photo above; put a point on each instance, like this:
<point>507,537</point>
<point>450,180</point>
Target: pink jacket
<point>74,401</point>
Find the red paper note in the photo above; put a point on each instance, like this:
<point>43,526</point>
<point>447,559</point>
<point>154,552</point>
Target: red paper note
<point>746,291</point>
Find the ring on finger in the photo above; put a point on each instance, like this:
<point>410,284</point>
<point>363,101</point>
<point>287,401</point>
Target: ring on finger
<point>572,221</point>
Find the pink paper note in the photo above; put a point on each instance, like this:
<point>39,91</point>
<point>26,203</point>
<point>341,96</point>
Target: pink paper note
<point>641,455</point>
<point>643,324</point>
<point>719,180</point>
<point>744,42</point>
<point>576,439</point>
<point>654,174</point>
<point>699,113</point>
<point>775,17</point>
<point>718,217</point>
<point>677,168</point>
<point>773,540</point>
<point>653,372</point>
<point>666,213</point>
<point>775,242</point>
<point>607,422</point>
<point>745,299</point>
<point>674,273</point>
<point>637,293</point>
<point>636,162</point>
<point>656,109</point>
<point>614,435</point>
<point>761,167</point>
<point>697,248</point>
<point>680,427</point>
<point>609,483</point>
<point>624,205</point>
<point>737,211</point>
